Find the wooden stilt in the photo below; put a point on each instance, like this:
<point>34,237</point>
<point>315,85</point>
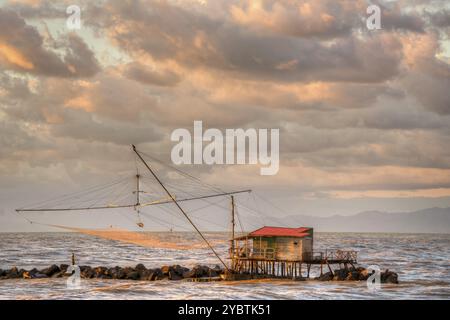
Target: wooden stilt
<point>287,269</point>
<point>329,268</point>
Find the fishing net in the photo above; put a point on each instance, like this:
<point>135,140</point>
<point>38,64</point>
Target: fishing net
<point>136,204</point>
<point>144,239</point>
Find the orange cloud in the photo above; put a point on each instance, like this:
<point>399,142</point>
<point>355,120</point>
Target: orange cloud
<point>15,57</point>
<point>52,117</point>
<point>33,3</point>
<point>81,102</point>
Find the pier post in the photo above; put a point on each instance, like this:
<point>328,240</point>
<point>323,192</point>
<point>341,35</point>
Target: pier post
<point>329,268</point>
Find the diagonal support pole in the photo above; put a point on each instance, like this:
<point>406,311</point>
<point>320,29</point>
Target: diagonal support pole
<point>179,207</point>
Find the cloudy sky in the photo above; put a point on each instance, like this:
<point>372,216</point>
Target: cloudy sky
<point>364,116</point>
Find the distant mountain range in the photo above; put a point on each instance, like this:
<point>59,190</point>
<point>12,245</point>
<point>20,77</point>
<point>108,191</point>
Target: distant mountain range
<point>432,220</point>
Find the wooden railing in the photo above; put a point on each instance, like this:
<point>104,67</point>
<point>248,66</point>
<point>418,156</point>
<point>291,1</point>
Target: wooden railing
<point>264,253</point>
<point>257,253</point>
<point>270,253</point>
<point>331,255</point>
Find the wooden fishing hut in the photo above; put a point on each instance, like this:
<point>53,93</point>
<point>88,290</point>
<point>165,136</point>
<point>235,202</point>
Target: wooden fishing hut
<point>281,252</point>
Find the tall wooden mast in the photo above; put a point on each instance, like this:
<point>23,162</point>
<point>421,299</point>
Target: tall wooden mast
<point>138,202</point>
<point>232,233</point>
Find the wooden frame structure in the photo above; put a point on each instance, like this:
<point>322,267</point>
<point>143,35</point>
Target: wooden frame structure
<point>248,261</point>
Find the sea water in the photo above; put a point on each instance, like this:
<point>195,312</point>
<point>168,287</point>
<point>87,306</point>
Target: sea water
<point>422,262</point>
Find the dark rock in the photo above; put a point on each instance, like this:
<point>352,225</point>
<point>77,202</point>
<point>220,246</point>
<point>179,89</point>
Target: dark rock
<point>165,270</point>
<point>160,275</point>
<point>13,273</point>
<point>140,267</point>
<point>128,269</point>
<point>63,267</point>
<point>392,278</point>
<point>363,273</point>
<point>33,272</point>
<point>213,273</point>
<point>340,275</point>
<point>174,276</point>
<point>121,274</point>
<point>179,270</point>
<point>218,269</point>
<point>144,273</point>
<point>87,272</point>
<point>112,272</point>
<point>50,270</point>
<point>21,272</point>
<point>200,271</point>
<point>155,274</point>
<point>39,276</point>
<point>360,269</point>
<point>353,276</point>
<point>174,272</point>
<point>389,277</point>
<point>14,270</point>
<point>134,275</point>
<point>131,273</point>
<point>189,274</point>
<point>36,274</point>
<point>117,273</point>
<point>151,276</point>
<point>325,277</point>
<point>101,273</point>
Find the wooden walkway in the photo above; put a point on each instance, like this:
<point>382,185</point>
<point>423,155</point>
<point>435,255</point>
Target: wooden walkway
<point>270,266</point>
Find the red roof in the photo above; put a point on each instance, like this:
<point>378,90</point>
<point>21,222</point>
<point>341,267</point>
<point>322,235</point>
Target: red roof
<point>280,232</point>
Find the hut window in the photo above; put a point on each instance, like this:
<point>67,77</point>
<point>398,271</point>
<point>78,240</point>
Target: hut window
<point>295,243</point>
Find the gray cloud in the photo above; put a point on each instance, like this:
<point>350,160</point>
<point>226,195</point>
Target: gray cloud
<point>432,91</point>
<point>82,126</point>
<point>440,19</point>
<point>22,49</point>
<point>195,40</point>
<point>392,18</point>
<point>146,75</point>
<point>322,19</point>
